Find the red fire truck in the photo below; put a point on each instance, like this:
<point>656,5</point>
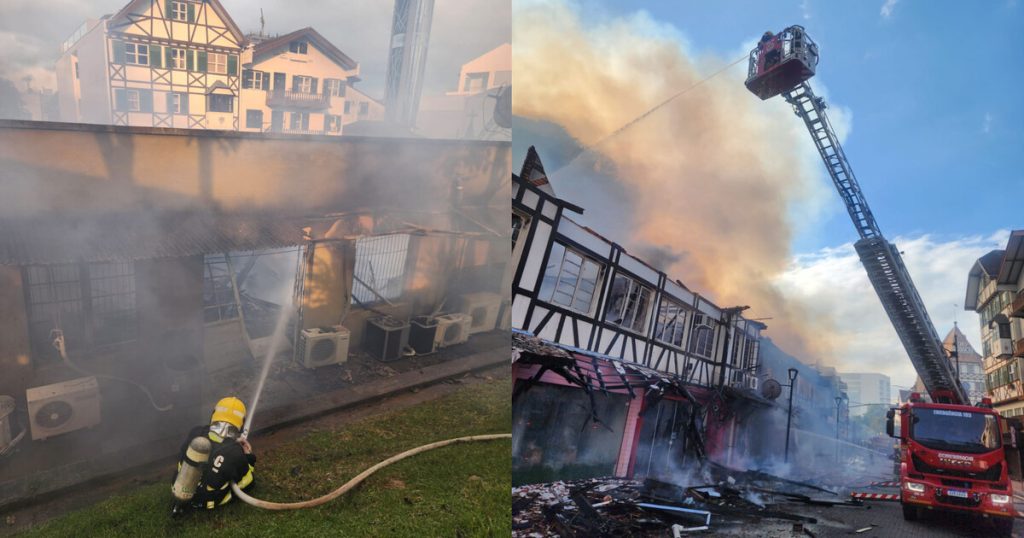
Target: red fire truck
<point>951,452</point>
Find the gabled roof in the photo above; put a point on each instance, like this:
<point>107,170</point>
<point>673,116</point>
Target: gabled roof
<point>963,346</point>
<point>988,266</point>
<point>215,4</point>
<point>1012,264</point>
<point>273,46</point>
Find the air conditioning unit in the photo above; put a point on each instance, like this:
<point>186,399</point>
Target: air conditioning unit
<point>483,308</point>
<point>385,338</point>
<point>423,335</point>
<point>6,410</point>
<point>453,329</point>
<point>753,383</point>
<point>323,346</point>
<point>63,407</point>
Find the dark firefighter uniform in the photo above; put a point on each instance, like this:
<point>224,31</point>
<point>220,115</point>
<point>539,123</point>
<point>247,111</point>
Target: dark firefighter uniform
<point>227,462</point>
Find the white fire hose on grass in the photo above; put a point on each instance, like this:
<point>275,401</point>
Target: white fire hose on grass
<point>361,476</point>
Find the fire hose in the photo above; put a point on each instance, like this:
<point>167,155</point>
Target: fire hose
<point>267,505</point>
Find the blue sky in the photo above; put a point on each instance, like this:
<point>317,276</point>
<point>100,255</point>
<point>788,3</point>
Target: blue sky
<point>936,91</point>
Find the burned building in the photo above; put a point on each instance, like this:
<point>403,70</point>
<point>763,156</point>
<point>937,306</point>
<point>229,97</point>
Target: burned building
<point>620,370</point>
<point>146,272</point>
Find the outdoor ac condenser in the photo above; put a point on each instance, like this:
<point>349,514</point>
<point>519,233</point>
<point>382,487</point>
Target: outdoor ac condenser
<point>385,338</point>
<point>63,407</point>
<point>453,329</point>
<point>483,308</point>
<point>423,335</point>
<point>324,346</point>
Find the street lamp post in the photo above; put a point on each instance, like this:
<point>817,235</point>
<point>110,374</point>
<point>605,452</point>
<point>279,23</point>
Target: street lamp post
<point>789,417</point>
<point>839,402</point>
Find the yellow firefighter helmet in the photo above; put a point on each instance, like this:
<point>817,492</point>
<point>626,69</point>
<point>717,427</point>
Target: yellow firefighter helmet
<point>230,410</point>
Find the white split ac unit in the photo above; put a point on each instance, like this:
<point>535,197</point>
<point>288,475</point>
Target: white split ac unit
<point>452,329</point>
<point>483,308</point>
<point>63,407</point>
<point>752,383</point>
<point>323,347</point>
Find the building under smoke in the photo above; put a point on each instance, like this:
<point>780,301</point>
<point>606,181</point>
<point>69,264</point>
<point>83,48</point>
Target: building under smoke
<point>145,270</point>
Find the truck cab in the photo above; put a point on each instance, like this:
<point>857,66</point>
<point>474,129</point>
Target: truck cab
<point>952,459</point>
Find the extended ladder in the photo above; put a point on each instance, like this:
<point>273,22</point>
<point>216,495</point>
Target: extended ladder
<point>881,259</point>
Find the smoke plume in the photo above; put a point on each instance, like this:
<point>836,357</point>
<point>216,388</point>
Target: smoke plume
<point>712,181</point>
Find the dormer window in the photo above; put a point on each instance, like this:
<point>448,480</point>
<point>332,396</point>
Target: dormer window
<point>298,47</point>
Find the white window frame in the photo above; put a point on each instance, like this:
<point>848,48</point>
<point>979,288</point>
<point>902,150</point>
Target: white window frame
<point>134,100</point>
<point>561,275</point>
<point>175,103</point>
<point>305,84</point>
<point>259,80</point>
<point>674,323</point>
<point>178,59</point>
<point>217,63</point>
<point>630,308</point>
<point>332,123</point>
<point>706,348</point>
<point>298,47</point>
<point>334,87</point>
<point>136,53</point>
<point>179,11</point>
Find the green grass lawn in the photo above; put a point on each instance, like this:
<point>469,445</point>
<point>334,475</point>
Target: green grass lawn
<point>460,490</point>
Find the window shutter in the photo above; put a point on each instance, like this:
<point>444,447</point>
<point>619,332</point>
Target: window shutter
<point>168,57</point>
<point>121,99</point>
<point>191,12</point>
<point>312,86</point>
<point>145,100</point>
<point>343,84</point>
<point>246,79</point>
<point>169,9</point>
<point>154,56</point>
<point>295,83</point>
<point>118,51</point>
<point>189,60</point>
<point>170,102</point>
<point>232,64</point>
<point>184,102</point>
<point>201,61</point>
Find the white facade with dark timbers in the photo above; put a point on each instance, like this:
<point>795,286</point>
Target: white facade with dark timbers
<point>576,288</point>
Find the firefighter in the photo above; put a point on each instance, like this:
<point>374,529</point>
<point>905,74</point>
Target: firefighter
<point>230,458</point>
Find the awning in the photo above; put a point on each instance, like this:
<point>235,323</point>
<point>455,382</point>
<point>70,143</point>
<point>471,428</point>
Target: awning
<point>139,236</point>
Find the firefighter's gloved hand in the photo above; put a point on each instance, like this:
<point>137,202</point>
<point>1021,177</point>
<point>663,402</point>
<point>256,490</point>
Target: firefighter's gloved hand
<point>246,447</point>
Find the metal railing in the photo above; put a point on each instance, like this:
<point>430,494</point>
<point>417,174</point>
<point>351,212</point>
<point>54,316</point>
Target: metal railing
<point>281,97</point>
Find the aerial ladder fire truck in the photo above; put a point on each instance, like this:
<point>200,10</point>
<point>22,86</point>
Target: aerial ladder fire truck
<point>951,452</point>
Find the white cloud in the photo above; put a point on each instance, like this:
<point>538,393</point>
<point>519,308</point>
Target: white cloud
<point>986,123</point>
<point>832,280</point>
<point>887,8</point>
<point>805,9</point>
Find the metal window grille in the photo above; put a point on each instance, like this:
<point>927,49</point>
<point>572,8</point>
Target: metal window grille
<point>380,265</point>
<point>93,304</point>
<point>218,294</point>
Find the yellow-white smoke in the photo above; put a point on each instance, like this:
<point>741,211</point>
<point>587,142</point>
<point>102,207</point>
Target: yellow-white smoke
<point>713,178</point>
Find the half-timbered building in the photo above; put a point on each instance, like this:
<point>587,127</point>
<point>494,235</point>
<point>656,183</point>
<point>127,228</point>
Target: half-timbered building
<point>663,369</point>
<point>155,63</point>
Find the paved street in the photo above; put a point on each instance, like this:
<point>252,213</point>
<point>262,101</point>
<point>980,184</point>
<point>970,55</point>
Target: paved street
<point>885,518</point>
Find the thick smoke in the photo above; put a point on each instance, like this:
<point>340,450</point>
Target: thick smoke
<point>714,178</point>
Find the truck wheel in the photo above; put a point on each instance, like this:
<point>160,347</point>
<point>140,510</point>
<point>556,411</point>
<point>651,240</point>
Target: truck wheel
<point>1003,526</point>
<point>910,512</point>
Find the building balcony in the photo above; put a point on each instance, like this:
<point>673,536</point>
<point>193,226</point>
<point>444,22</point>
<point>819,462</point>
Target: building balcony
<point>307,101</point>
<point>1017,306</point>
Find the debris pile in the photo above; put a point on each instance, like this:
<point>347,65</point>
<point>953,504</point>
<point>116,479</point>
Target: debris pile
<point>732,500</point>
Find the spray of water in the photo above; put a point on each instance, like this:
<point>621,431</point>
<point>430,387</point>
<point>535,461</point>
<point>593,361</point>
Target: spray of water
<point>275,344</point>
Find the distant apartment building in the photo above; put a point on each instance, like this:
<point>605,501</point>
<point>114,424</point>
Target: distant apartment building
<point>866,389</point>
<point>995,290</point>
<point>470,110</point>
<point>185,64</point>
<point>155,63</point>
<point>301,83</point>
